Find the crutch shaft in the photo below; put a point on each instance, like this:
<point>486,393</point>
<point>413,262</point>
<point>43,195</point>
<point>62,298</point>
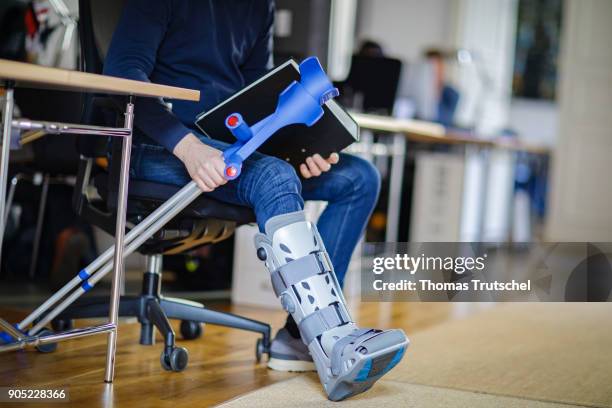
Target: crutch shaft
<point>193,191</point>
<point>107,255</point>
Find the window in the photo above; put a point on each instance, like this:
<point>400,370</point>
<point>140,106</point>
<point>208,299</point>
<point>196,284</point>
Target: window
<point>537,48</point>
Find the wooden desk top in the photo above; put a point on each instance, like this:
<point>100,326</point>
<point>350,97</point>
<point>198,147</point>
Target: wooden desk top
<point>429,132</point>
<point>25,74</point>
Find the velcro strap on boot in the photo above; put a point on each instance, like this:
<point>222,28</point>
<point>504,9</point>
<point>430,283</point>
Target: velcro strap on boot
<point>298,270</point>
<point>323,320</point>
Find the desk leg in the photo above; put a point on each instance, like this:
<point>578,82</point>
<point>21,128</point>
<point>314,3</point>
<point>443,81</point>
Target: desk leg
<point>484,198</point>
<point>119,240</point>
<point>7,119</point>
<point>396,181</point>
<point>367,140</point>
<point>42,206</point>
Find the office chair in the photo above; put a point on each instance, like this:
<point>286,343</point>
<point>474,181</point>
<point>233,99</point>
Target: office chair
<point>203,222</point>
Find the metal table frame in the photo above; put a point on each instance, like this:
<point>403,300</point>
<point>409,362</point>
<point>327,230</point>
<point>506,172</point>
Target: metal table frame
<point>107,261</point>
<point>29,338</point>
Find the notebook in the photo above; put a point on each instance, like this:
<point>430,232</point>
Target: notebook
<point>333,132</point>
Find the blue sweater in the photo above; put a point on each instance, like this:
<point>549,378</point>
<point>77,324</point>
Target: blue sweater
<point>215,46</point>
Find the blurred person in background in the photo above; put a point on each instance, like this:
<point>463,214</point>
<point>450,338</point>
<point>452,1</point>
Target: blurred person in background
<point>435,99</point>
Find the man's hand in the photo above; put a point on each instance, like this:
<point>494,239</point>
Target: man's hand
<point>316,165</point>
<point>204,163</point>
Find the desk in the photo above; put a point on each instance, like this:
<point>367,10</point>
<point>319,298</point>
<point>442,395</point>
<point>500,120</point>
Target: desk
<point>22,74</point>
<point>429,132</point>
<point>403,130</point>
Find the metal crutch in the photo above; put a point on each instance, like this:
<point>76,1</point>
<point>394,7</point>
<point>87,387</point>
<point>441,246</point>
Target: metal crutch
<point>106,256</point>
<point>191,190</point>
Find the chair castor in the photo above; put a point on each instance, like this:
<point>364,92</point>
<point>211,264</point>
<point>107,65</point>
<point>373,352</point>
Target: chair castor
<point>191,330</point>
<point>174,360</point>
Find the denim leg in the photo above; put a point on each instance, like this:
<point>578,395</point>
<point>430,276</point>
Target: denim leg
<point>351,189</point>
<point>267,184</point>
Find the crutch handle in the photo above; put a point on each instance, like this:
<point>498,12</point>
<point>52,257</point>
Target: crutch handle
<point>300,103</point>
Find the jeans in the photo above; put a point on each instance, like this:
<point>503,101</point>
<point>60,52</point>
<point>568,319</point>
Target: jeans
<point>271,186</point>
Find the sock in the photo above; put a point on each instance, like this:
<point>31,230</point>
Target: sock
<point>292,327</point>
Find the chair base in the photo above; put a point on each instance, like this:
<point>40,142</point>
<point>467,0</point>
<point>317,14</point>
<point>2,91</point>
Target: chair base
<point>154,310</point>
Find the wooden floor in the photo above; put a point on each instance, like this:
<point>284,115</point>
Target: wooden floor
<point>221,363</point>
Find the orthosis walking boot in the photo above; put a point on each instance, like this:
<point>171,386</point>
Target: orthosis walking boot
<point>348,359</point>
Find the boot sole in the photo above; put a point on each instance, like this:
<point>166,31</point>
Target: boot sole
<point>295,366</point>
<point>366,372</point>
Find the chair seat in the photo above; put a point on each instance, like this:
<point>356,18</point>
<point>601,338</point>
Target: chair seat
<point>145,196</point>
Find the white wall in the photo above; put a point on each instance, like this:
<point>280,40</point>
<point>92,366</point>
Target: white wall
<point>487,29</point>
<point>341,38</point>
<point>581,194</point>
<point>405,27</point>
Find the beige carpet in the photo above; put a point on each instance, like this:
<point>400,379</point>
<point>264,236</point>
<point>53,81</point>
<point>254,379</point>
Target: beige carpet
<point>514,355</point>
<point>304,391</point>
